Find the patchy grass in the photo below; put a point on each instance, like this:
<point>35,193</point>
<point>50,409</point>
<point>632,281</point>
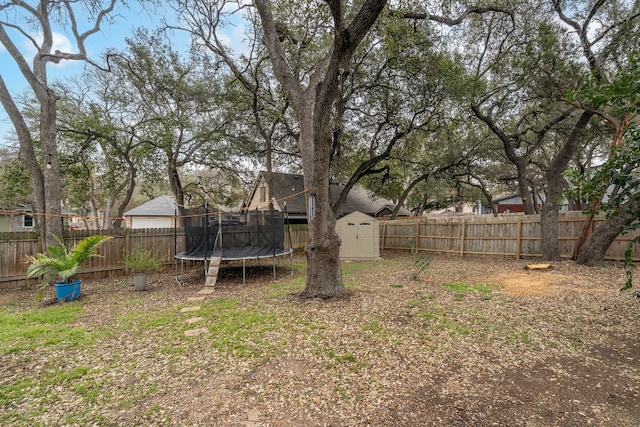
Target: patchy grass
<point>20,331</point>
<point>448,348</point>
<point>462,289</point>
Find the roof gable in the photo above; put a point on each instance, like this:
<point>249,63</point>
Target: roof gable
<point>160,206</point>
<point>287,188</point>
<point>357,214</point>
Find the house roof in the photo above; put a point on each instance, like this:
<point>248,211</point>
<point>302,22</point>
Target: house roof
<point>159,206</point>
<point>506,197</point>
<point>289,188</point>
<point>365,201</point>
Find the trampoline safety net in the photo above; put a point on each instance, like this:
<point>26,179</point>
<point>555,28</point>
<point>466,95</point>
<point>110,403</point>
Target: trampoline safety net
<point>251,234</point>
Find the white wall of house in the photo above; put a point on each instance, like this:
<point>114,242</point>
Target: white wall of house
<point>151,222</point>
<point>5,223</point>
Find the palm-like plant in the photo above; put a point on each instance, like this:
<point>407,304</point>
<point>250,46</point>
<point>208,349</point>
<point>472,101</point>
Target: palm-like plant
<point>62,263</point>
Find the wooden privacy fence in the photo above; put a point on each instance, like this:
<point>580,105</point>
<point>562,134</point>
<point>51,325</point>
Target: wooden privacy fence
<point>165,242</point>
<point>15,246</point>
<point>514,235</point>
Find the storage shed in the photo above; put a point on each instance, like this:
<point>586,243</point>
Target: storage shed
<point>360,235</point>
<point>159,212</point>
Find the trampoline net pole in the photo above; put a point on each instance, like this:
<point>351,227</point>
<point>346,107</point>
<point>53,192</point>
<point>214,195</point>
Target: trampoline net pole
<point>288,225</point>
<point>175,245</point>
<point>273,236</point>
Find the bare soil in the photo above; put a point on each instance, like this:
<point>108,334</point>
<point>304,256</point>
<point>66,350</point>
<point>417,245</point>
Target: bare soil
<point>468,342</point>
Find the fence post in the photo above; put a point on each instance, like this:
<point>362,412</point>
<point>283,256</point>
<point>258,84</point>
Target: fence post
<point>417,244</point>
<point>462,235</point>
<point>127,241</point>
<point>518,239</point>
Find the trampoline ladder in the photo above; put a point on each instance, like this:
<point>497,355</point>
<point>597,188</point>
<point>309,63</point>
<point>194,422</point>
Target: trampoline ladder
<point>212,274</point>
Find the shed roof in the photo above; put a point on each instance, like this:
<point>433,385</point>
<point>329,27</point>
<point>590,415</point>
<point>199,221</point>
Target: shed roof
<point>159,206</point>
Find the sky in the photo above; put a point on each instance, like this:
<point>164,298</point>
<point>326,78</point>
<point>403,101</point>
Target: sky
<point>110,36</point>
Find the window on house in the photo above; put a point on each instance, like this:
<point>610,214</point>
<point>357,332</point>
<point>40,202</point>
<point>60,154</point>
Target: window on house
<point>263,194</point>
<point>27,221</point>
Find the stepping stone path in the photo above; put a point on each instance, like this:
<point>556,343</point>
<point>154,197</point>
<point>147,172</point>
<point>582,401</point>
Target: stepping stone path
<point>212,276</point>
<point>194,332</point>
<point>191,320</point>
<point>254,418</point>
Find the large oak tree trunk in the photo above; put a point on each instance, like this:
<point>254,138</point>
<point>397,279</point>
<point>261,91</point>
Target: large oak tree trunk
<point>45,177</point>
<point>549,231</point>
<point>555,184</point>
<point>324,274</point>
<point>27,152</point>
<point>604,234</point>
<point>523,185</point>
<point>51,170</point>
<point>313,106</point>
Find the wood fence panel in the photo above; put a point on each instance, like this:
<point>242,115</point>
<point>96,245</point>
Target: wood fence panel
<point>299,235</point>
<point>530,245</point>
<point>400,235</point>
<point>13,264</point>
<point>513,235</point>
<point>14,247</point>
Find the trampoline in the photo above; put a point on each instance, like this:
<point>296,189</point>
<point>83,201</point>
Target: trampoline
<point>239,236</point>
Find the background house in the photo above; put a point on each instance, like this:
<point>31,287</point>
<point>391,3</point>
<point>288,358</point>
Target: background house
<point>462,208</point>
<point>288,189</point>
<point>512,203</point>
<point>19,218</point>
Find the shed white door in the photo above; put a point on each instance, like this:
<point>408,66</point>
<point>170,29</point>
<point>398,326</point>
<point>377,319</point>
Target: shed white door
<point>357,239</point>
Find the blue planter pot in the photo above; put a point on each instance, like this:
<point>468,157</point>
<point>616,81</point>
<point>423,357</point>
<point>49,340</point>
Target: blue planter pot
<point>68,291</point>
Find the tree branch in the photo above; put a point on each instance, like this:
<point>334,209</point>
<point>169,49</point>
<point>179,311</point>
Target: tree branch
<point>452,21</point>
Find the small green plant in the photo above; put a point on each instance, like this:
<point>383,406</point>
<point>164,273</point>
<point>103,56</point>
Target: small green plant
<point>141,261</point>
<point>420,263</point>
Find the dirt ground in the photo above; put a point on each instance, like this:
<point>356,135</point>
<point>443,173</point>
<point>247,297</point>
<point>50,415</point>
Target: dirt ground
<point>468,342</point>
